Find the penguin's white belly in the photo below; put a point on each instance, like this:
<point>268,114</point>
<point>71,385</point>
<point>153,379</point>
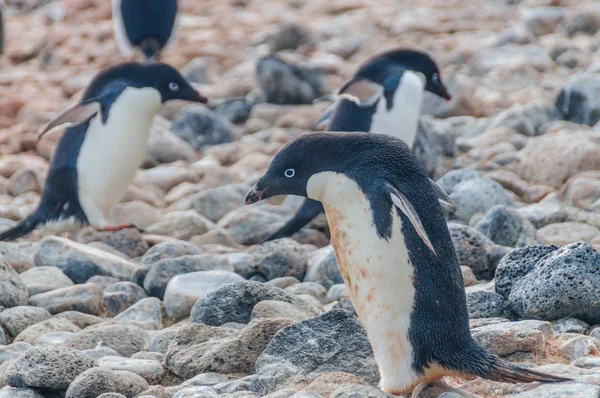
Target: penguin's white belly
<point>112,152</point>
<point>377,272</point>
<point>402,120</point>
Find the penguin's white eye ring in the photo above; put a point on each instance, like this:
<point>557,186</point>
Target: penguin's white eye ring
<point>289,173</point>
<point>173,86</point>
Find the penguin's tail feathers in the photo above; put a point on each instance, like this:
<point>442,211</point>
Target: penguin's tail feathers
<point>508,373</point>
<point>22,228</point>
<point>150,47</point>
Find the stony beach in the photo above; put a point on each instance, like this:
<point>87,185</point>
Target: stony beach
<point>193,307</point>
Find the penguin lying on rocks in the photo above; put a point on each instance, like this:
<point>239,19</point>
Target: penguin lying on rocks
<point>385,96</point>
<point>96,159</point>
<point>394,252</point>
<point>147,26</point>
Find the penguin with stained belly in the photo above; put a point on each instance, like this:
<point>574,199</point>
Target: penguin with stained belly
<point>394,252</point>
<point>97,157</point>
<point>385,96</point>
<point>147,26</point>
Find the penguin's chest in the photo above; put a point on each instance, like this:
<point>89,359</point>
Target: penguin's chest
<point>112,151</point>
<point>377,272</point>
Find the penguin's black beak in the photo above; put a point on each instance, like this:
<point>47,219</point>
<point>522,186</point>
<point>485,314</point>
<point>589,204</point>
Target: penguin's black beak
<point>193,96</point>
<point>255,195</point>
<point>446,94</point>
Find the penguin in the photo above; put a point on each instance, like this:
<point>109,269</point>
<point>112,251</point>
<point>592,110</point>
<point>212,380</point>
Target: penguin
<point>385,96</point>
<point>144,25</point>
<point>97,157</point>
<point>394,252</point>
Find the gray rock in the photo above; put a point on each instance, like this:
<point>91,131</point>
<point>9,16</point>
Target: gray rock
<point>333,342</point>
<point>205,379</point>
<point>13,350</point>
<point>474,250</point>
<point>147,312</point>
<point>182,225</point>
<point>571,389</point>
<point>43,279</point>
<point>287,84</point>
<point>200,127</point>
<point>430,147</point>
<point>97,381</point>
<point>336,292</point>
<point>169,249</point>
<point>120,296</point>
<point>311,288</point>
<point>151,371</point>
<point>196,71</point>
<point>83,298</point>
<point>235,110</point>
<point>215,203</point>
<point>283,282</point>
<point>33,332</point>
<point>543,20</point>
<point>103,281</point>
<point>323,268</point>
<point>542,214</point>
<point>579,100</point>
<point>17,319</point>
<point>100,352</point>
<point>234,302</point>
<point>125,339</point>
<point>494,58</point>
<point>454,177</point>
<point>561,234</point>
<point>358,391</point>
<point>10,392</point>
<point>184,290</point>
<point>80,319</point>
<point>526,119</point>
<point>129,241</point>
<point>564,283</point>
<point>112,395</point>
<point>506,227</point>
<point>235,353</point>
<point>249,225</point>
<point>196,392</point>
<point>12,290</point>
<point>584,21</point>
<point>278,309</point>
<point>279,258</point>
<point>49,367</point>
<point>516,264</point>
<point>484,304</point>
<point>149,356</point>
<point>477,195</point>
<point>53,338</point>
<point>570,325</point>
<point>163,271</point>
<point>161,339</point>
<point>20,255</point>
<point>80,262</point>
<point>289,36</point>
<point>166,147</point>
<point>2,337</point>
<point>506,338</point>
<point>578,347</point>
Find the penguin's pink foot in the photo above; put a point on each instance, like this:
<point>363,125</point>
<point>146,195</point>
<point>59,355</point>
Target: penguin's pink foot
<point>119,227</point>
<point>436,388</point>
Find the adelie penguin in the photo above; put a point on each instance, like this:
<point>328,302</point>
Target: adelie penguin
<point>147,26</point>
<point>96,159</point>
<point>385,96</point>
<point>394,252</point>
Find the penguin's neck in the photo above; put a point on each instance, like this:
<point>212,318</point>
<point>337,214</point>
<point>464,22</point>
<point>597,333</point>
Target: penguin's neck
<point>377,272</point>
<point>402,118</point>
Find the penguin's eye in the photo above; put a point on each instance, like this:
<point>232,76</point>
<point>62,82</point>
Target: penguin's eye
<point>435,77</point>
<point>173,87</point>
<point>289,173</point>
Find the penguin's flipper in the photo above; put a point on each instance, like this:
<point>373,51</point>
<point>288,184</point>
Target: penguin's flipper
<point>509,373</point>
<point>73,115</point>
<point>309,210</point>
<point>21,229</point>
<point>362,92</point>
<point>323,122</point>
<point>442,196</point>
<point>402,203</point>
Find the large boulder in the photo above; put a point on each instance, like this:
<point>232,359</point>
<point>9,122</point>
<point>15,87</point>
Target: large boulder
<point>13,291</point>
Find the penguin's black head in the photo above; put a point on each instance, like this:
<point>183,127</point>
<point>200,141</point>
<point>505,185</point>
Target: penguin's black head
<point>386,70</point>
<point>162,77</point>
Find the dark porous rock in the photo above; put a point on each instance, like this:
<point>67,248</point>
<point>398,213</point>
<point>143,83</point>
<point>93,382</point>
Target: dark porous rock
<point>80,262</point>
<point>80,319</point>
<point>333,342</point>
<point>14,350</point>
<point>506,227</point>
<point>279,258</point>
<point>119,296</point>
<point>570,325</point>
<point>507,338</point>
<point>33,332</point>
<point>201,126</point>
<point>234,302</point>
<point>323,268</point>
<point>579,101</point>
<point>161,272</point>
<point>17,319</point>
<point>235,110</point>
<point>182,225</point>
<point>43,279</point>
<point>19,392</point>
<point>97,381</point>
<point>129,241</point>
<point>147,312</point>
<point>50,367</point>
<point>474,250</point>
<point>289,36</point>
<point>170,249</point>
<point>215,203</point>
<point>287,84</point>
<point>564,283</point>
<point>358,391</point>
<point>484,304</point>
<point>231,354</point>
<point>518,263</point>
<point>477,195</point>
<point>83,298</point>
<point>125,339</point>
<point>150,370</point>
<point>13,291</point>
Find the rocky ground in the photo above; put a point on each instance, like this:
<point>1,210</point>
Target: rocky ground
<point>193,307</point>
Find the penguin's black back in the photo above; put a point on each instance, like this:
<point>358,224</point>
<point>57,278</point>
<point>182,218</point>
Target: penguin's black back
<point>149,19</point>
